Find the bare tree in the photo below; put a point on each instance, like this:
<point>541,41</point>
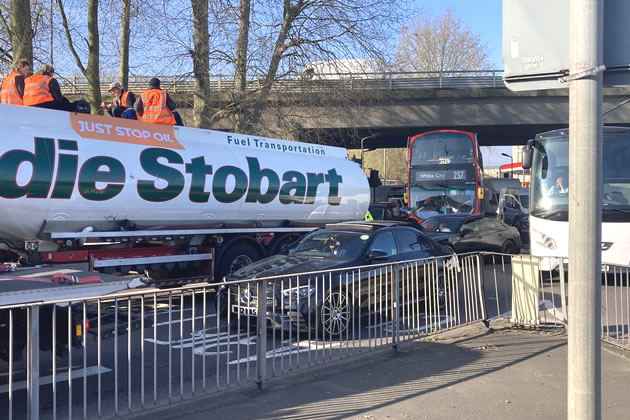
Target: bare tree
<point>19,31</point>
<point>442,44</point>
<point>201,66</point>
<point>277,41</point>
<point>125,33</point>
<point>240,77</point>
<point>92,71</point>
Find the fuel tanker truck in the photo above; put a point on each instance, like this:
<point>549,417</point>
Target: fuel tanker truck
<point>119,195</point>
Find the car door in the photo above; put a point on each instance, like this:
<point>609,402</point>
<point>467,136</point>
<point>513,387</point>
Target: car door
<point>473,239</point>
<point>376,283</point>
<point>411,245</point>
<point>511,209</point>
<point>492,233</point>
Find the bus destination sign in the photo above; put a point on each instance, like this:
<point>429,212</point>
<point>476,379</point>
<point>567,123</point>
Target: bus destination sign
<point>444,175</point>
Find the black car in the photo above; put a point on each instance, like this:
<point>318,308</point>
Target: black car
<point>327,301</point>
<point>468,233</point>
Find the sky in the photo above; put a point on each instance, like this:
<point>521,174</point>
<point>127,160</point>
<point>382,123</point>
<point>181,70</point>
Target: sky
<point>484,18</point>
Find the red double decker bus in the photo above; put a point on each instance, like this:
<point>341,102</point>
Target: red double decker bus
<point>445,174</point>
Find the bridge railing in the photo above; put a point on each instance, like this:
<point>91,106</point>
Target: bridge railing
<point>311,82</point>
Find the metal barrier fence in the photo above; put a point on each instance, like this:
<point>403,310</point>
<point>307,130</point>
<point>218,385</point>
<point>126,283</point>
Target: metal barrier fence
<point>111,355</point>
<point>465,79</point>
<point>540,294</point>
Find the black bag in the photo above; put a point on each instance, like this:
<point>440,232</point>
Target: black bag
<point>82,106</point>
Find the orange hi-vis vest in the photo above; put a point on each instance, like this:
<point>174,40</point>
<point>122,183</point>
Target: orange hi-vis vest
<point>10,94</point>
<point>154,107</point>
<point>122,101</point>
<point>37,89</point>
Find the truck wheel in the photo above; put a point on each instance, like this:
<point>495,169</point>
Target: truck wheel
<point>280,242</point>
<point>237,256</point>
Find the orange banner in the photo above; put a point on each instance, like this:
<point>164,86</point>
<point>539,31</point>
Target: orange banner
<point>124,131</point>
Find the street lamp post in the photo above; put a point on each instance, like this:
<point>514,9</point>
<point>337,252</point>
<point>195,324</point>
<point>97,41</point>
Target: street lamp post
<point>362,140</point>
<point>511,164</point>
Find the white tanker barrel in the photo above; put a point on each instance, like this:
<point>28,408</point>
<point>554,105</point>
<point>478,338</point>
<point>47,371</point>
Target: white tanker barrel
<point>63,172</point>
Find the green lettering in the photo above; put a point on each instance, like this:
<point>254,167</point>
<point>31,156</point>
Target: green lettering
<point>333,192</point>
<point>91,174</point>
<point>198,168</point>
<point>313,182</point>
<point>42,162</point>
<point>66,175</point>
<point>174,179</point>
<point>294,181</point>
<point>219,184</point>
<point>256,176</point>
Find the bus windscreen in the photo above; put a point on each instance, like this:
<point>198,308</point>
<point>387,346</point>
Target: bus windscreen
<point>442,149</point>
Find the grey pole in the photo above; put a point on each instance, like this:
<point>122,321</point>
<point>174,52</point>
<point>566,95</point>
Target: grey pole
<point>32,383</point>
<point>585,208</point>
<point>261,334</point>
<point>364,139</point>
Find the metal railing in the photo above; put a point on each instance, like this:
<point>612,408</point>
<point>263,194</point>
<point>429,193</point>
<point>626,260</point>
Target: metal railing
<point>111,355</point>
<point>105,356</point>
<point>466,79</point>
<point>544,283</point>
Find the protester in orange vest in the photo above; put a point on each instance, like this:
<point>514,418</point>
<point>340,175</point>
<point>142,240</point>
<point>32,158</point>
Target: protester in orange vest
<point>122,104</point>
<point>155,106</point>
<point>42,90</point>
<point>13,84</point>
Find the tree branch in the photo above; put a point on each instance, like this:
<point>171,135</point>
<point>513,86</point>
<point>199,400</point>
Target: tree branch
<point>66,28</point>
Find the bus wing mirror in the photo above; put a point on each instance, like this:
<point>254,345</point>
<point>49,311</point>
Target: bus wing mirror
<point>528,154</point>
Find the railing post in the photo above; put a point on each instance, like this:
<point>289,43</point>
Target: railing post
<point>395,308</point>
<point>261,333</point>
<point>440,79</point>
<point>563,298</point>
<point>482,288</point>
<point>32,376</point>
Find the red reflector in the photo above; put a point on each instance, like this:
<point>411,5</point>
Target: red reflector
<point>87,325</point>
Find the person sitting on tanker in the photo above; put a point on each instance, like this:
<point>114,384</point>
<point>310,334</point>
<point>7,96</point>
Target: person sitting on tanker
<point>155,106</point>
<point>122,104</point>
<point>13,84</point>
<point>42,90</point>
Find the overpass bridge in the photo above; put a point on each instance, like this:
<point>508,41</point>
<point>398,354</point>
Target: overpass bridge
<point>399,105</point>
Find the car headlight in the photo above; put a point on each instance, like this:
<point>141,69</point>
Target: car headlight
<point>301,291</point>
<point>545,240</point>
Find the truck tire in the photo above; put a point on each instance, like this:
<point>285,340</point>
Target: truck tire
<point>236,256</point>
<point>280,242</point>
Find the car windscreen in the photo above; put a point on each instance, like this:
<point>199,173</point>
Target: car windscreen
<point>327,243</point>
<point>442,224</point>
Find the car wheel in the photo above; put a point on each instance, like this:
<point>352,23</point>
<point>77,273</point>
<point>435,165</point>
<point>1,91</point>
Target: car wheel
<point>508,247</point>
<point>335,314</point>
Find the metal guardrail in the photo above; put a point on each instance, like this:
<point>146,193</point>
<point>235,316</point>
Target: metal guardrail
<point>549,290</point>
<point>149,348</point>
<point>154,347</point>
<point>467,79</point>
